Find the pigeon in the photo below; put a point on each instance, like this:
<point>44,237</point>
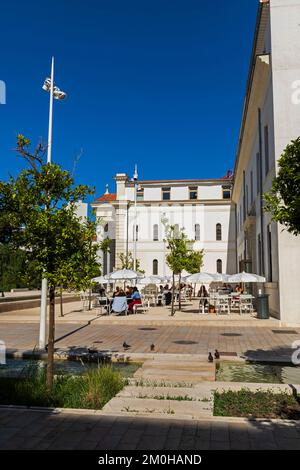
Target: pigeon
<point>217,354</point>
<point>126,346</point>
<point>92,351</point>
<point>152,347</point>
<point>210,358</point>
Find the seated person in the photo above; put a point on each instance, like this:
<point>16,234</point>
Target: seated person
<point>135,299</point>
<point>129,292</point>
<point>116,292</point>
<point>203,294</point>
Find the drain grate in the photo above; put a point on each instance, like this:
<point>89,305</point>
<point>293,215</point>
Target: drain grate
<point>223,353</point>
<point>147,329</point>
<point>229,335</point>
<point>285,332</point>
<point>185,342</point>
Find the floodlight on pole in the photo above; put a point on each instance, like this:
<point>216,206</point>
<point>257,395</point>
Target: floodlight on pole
<point>135,179</point>
<point>57,94</point>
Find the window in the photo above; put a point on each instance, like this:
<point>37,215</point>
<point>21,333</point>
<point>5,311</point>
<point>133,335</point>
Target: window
<point>140,194</point>
<point>259,263</point>
<point>266,138</point>
<point>166,194</point>
<point>241,217</point>
<point>193,191</point>
<point>226,192</point>
<point>218,232</point>
<point>251,187</point>
<point>247,200</point>
<point>155,267</point>
<point>219,266</point>
<point>155,232</point>
<point>106,228</point>
<point>258,173</point>
<point>136,237</point>
<point>270,267</point>
<point>197,232</point>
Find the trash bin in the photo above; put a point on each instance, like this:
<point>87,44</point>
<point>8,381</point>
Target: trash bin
<point>263,306</point>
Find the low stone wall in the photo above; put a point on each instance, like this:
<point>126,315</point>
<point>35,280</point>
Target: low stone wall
<point>22,304</point>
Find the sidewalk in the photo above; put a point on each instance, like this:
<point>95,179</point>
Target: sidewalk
<point>68,430</point>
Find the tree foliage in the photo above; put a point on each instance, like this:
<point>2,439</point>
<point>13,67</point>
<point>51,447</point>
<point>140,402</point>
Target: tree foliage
<point>127,262</point>
<point>181,256</point>
<point>38,215</point>
<point>283,201</point>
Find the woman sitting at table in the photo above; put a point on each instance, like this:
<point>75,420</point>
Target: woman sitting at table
<point>203,294</point>
<point>135,299</point>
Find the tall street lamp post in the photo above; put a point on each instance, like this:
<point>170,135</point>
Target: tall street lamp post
<point>55,93</point>
<point>135,179</point>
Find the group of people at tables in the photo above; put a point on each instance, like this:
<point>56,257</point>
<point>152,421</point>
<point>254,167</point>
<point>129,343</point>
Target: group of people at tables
<point>165,293</point>
<point>227,289</point>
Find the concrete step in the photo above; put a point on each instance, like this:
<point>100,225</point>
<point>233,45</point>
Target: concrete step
<point>183,371</point>
<point>195,393</point>
<point>156,407</point>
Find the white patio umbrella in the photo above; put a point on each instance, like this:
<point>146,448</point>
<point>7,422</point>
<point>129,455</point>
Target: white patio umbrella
<point>220,277</point>
<point>200,278</point>
<point>245,277</point>
<point>150,280</point>
<point>123,275</point>
<point>100,280</point>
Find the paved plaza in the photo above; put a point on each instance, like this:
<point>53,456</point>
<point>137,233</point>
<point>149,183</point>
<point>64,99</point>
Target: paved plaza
<point>188,335</point>
<point>252,341</point>
<point>30,429</point>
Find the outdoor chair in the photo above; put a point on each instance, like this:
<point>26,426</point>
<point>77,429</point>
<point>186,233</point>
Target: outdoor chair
<point>203,305</point>
<point>102,302</point>
<point>119,305</point>
<point>222,304</point>
<point>140,308</point>
<point>246,304</point>
<point>84,297</point>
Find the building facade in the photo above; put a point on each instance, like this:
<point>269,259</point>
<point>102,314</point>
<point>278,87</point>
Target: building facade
<point>271,120</point>
<point>229,223</point>
<point>203,208</point>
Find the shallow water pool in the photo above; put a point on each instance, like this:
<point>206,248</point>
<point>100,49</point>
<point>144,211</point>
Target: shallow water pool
<point>21,367</point>
<point>257,373</point>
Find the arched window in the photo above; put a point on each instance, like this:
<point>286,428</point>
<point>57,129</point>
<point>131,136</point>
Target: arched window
<point>197,232</point>
<point>155,267</point>
<point>219,266</point>
<point>155,232</point>
<point>218,232</point>
<point>106,228</point>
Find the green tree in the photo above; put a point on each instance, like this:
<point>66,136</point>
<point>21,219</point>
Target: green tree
<point>127,262</point>
<point>38,210</point>
<point>180,257</point>
<point>283,200</point>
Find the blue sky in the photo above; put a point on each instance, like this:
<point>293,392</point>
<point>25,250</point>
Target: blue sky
<point>160,83</point>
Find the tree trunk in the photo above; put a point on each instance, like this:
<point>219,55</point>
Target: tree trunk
<point>61,303</point>
<point>173,296</point>
<point>179,298</point>
<point>51,336</point>
<point>90,299</point>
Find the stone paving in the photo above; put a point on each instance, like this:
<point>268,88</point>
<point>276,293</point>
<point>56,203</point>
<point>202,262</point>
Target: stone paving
<point>255,342</point>
<point>31,429</point>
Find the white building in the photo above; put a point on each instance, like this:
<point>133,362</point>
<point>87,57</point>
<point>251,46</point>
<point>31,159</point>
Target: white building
<point>202,207</point>
<point>249,239</point>
<point>271,119</point>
